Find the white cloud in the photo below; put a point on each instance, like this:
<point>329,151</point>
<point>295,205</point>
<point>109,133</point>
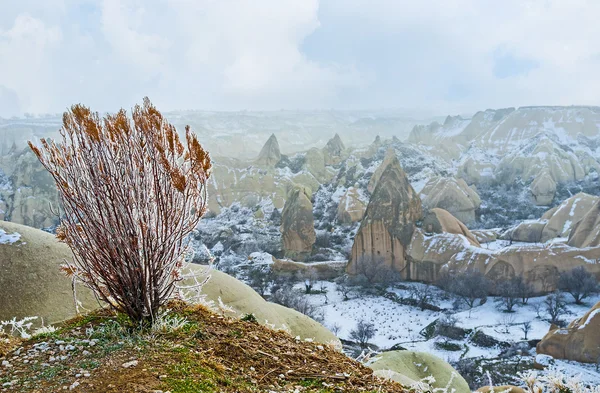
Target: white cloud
<point>25,49</point>
<point>271,54</point>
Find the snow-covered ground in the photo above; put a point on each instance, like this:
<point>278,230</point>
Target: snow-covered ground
<point>9,238</point>
<point>399,324</point>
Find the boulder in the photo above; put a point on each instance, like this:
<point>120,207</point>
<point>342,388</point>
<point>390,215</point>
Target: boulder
<point>31,284</point>
<point>351,208</point>
<point>270,153</point>
<point>407,367</point>
<point>453,195</point>
<point>527,231</point>
<point>297,224</point>
<point>441,221</point>
<point>485,235</point>
<point>543,189</point>
<point>476,171</point>
<point>578,341</point>
<point>389,221</point>
<point>563,218</point>
<point>586,233</point>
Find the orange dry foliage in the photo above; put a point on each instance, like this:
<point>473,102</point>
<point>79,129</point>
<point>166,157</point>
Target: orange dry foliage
<point>132,192</point>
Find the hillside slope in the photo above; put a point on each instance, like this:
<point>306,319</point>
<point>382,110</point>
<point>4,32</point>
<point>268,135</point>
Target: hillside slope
<point>197,351</point>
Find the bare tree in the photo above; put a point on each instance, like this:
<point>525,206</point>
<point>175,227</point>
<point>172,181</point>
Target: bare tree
<point>291,298</point>
<point>260,279</point>
<point>363,332</point>
<point>335,328</point>
<point>526,328</point>
<point>423,295</point>
<point>132,192</point>
<point>507,295</point>
<point>375,270</point>
<point>469,286</point>
<point>523,289</point>
<point>507,321</point>
<point>579,283</point>
<point>342,284</point>
<point>309,276</point>
<point>555,305</point>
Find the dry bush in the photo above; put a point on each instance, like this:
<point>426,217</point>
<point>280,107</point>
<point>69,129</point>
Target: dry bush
<point>132,192</point>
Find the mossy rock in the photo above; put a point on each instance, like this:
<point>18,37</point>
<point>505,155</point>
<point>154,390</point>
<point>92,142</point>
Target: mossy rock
<point>31,284</point>
<point>414,366</point>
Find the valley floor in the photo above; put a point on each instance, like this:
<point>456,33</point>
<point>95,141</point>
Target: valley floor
<point>405,326</point>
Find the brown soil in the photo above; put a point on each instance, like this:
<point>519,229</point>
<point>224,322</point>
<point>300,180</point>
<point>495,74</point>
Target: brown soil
<point>211,353</point>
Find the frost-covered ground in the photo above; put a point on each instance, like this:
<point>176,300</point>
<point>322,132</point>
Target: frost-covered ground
<point>9,238</point>
<point>399,324</point>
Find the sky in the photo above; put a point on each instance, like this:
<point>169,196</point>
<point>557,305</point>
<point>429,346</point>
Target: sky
<point>446,56</point>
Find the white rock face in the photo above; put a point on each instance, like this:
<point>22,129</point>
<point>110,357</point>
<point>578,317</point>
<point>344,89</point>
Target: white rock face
<point>547,143</point>
<point>453,195</point>
<point>543,189</point>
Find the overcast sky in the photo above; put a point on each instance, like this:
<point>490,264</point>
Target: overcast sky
<point>447,56</point>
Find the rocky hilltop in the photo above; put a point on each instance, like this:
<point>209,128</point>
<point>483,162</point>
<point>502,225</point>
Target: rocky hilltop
<point>388,223</point>
<point>543,145</point>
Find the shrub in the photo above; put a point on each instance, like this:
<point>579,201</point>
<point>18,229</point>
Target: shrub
<point>508,295</point>
<point>555,306</point>
<point>579,283</point>
<point>131,194</point>
<point>363,332</point>
<point>288,297</point>
<point>447,346</point>
<point>468,286</point>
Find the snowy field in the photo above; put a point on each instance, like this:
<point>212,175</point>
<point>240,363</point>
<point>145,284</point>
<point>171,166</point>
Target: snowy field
<point>399,324</point>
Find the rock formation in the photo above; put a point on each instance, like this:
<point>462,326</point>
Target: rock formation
<point>485,235</point>
<point>539,264</point>
<point>539,156</point>
<point>315,163</point>
<point>526,231</point>
<point>578,341</point>
<point>270,153</point>
<point>351,208</point>
<point>297,224</point>
<point>333,150</point>
<point>441,221</point>
<point>557,222</point>
<point>453,195</point>
<point>390,156</point>
<point>530,143</point>
<point>563,218</point>
<point>586,233</point>
<point>543,189</point>
<point>32,193</point>
<point>408,367</point>
<point>389,221</point>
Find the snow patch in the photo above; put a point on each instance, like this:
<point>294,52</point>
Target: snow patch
<point>9,238</point>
